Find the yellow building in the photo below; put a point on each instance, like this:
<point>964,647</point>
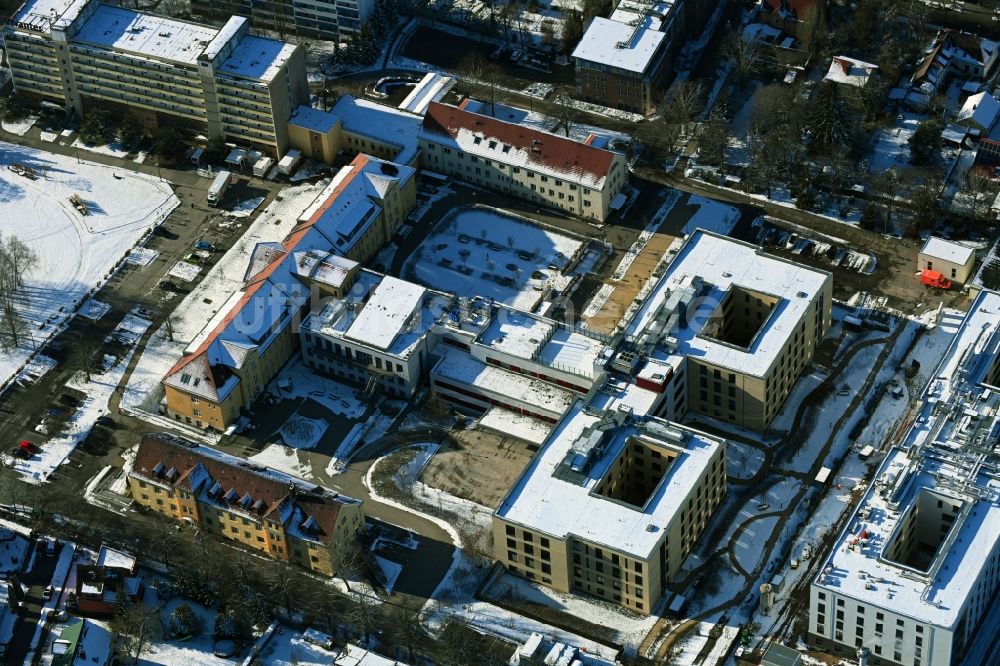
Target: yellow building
<point>546,169</point>
<point>75,54</point>
<point>355,125</point>
<point>229,364</point>
<point>279,515</point>
<point>610,506</point>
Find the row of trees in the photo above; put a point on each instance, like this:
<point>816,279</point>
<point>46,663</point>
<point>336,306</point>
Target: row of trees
<point>100,127</point>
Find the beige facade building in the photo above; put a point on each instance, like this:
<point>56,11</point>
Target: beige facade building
<point>952,260</point>
<point>610,506</point>
<point>75,54</point>
<point>732,328</point>
<point>228,365</point>
<point>358,126</point>
<point>534,166</point>
<point>281,516</point>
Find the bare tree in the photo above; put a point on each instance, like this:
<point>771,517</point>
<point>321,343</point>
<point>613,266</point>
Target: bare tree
<point>346,558</point>
<point>282,585</point>
<point>135,624</point>
<point>980,192</point>
<point>364,615</point>
<point>405,630</point>
<point>746,55</point>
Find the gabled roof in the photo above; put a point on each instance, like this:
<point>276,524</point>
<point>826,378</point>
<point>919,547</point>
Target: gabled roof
<point>517,145</point>
<point>263,255</point>
<point>217,477</point>
<point>980,110</point>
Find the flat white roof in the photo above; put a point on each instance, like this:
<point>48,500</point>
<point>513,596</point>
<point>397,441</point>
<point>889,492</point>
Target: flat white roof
<point>384,124</point>
<point>432,88</point>
<point>723,263</point>
<point>386,313</point>
<point>257,58</point>
<point>551,505</point>
<point>933,458</point>
<point>43,14</point>
<point>145,34</point>
<point>109,557</point>
<point>516,333</point>
<point>459,366</point>
<point>316,120</point>
<point>571,351</point>
<point>946,250</point>
<point>621,45</point>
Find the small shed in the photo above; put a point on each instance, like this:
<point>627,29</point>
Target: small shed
<point>953,260</point>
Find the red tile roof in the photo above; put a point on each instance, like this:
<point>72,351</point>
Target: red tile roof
<point>290,243</point>
<point>546,150</point>
<point>184,456</point>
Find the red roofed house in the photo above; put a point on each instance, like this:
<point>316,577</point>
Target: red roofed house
<point>539,167</point>
<point>227,366</point>
<point>280,515</point>
<point>99,585</point>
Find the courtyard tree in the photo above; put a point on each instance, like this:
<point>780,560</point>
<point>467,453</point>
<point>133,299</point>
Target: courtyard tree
<point>405,630</point>
<point>130,131</point>
<point>572,31</point>
<point>346,559</point>
<point>746,55</point>
<point>135,625</point>
<point>363,614</point>
<point>168,143</point>
<point>96,128</point>
<point>829,122</point>
<point>216,150</point>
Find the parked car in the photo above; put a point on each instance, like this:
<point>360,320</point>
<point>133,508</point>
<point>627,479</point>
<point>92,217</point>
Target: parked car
<point>49,591</point>
<point>206,246</point>
<point>167,285</point>
<point>69,400</point>
<point>105,421</point>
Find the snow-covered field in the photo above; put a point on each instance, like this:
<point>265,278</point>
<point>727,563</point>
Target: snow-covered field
<point>75,253</point>
<point>143,392</point>
<point>19,127</point>
<point>483,252</point>
<point>711,216</point>
<point>890,146</point>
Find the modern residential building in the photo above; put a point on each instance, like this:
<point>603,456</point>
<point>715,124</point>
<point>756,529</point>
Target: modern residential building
<point>953,260</point>
<point>910,579</point>
<point>357,125</point>
<point>611,505</point>
<point>622,65</point>
<point>227,366</point>
<point>535,166</point>
<point>75,54</point>
<point>726,330</point>
<point>276,514</point>
<point>334,20</point>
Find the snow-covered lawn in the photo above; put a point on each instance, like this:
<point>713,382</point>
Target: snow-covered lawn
<point>288,648</point>
<point>890,147</point>
<point>298,381</point>
<point>19,127</point>
<point>13,549</point>
<point>75,254</point>
<point>711,216</point>
<point>484,252</point>
<point>195,651</point>
<point>283,459</point>
<point>143,392</point>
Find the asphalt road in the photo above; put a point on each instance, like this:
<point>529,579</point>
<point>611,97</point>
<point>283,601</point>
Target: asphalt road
<point>19,647</point>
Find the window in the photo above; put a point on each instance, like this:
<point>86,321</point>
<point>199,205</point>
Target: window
<point>510,530</point>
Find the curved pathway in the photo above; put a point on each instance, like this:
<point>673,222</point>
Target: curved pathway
<point>804,417</point>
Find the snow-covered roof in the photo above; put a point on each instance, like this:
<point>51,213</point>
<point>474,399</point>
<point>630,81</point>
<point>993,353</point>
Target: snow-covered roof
<point>387,312</point>
<point>352,655</point>
<point>432,88</point>
<point>257,58</point>
<point>628,11</point>
<point>946,250</point>
<point>225,34</point>
<point>324,267</point>
<point>849,71</point>
<point>379,122</point>
<point>572,351</point>
<point>43,15</point>
<point>109,557</point>
<point>980,110</point>
<point>312,119</point>
<point>620,45</point>
<point>950,452</point>
<point>720,264</point>
<point>551,502</point>
<point>517,333</point>
<point>463,368</point>
<point>518,145</point>
<point>145,34</point>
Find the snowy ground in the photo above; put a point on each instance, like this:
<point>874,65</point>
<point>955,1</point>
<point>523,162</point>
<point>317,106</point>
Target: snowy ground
<point>284,459</point>
<point>890,146</point>
<point>19,127</point>
<point>75,253</point>
<point>288,648</point>
<point>711,216</point>
<point>143,392</point>
<point>474,252</point>
<point>297,381</point>
<point>54,451</point>
<point>195,651</point>
<point>301,432</point>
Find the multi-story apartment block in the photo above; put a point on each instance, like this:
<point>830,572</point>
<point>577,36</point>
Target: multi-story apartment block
<point>728,329</point>
<point>913,575</point>
<point>541,168</point>
<point>611,505</point>
<point>222,82</point>
<point>335,20</point>
<point>279,515</point>
<point>227,366</point>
